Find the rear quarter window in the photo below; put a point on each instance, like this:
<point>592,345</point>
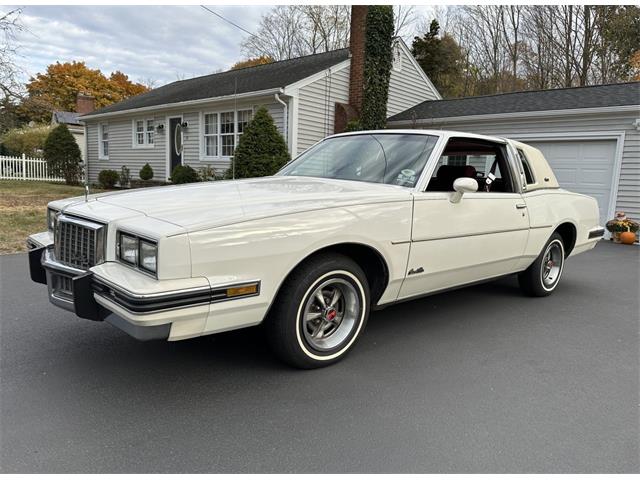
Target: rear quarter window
<point>528,174</point>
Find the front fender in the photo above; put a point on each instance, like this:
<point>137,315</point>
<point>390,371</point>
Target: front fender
<point>269,249</point>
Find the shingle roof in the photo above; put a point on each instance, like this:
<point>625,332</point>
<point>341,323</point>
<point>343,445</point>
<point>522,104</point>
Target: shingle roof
<point>250,79</point>
<point>540,100</point>
<point>68,118</point>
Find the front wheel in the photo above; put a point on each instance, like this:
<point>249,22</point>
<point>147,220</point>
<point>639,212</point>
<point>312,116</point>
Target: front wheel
<point>543,275</point>
<point>320,312</point>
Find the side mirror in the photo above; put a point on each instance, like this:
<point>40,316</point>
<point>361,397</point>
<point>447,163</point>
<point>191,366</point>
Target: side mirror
<point>461,186</point>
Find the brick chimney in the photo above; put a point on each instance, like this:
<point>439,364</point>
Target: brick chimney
<point>344,113</point>
<point>85,103</point>
<point>356,48</point>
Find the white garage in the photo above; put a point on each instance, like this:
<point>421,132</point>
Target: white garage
<point>589,135</point>
<point>584,166</point>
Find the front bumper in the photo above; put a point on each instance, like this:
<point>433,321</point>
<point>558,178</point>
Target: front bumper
<point>81,291</point>
<point>142,306</point>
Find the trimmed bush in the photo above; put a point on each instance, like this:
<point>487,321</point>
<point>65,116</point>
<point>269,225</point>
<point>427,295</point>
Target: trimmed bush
<point>108,178</point>
<point>184,174</point>
<point>63,155</point>
<point>261,151</point>
<point>146,172</point>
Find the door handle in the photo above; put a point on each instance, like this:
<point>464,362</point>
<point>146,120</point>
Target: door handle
<point>520,206</point>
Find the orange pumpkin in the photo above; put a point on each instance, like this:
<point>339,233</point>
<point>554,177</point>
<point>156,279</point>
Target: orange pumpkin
<point>628,238</point>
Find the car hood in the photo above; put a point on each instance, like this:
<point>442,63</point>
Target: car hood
<point>197,206</point>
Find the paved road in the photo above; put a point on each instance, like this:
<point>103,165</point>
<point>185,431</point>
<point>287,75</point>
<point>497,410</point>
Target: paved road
<point>477,380</point>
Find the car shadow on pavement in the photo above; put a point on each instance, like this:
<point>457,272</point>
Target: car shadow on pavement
<point>246,349</point>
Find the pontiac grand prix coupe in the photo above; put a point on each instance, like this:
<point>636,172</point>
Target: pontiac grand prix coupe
<point>358,221</point>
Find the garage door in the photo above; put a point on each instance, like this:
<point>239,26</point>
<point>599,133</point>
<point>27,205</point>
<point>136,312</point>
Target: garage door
<point>583,166</point>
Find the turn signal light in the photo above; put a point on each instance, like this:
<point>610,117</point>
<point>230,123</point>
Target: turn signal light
<point>242,290</point>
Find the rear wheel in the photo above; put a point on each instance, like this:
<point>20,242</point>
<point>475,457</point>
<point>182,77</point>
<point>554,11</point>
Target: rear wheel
<point>543,275</point>
<point>320,312</point>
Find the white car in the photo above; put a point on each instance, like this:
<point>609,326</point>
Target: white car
<point>359,221</point>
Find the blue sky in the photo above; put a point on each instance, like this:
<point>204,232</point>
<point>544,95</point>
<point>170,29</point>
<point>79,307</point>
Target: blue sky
<point>161,43</point>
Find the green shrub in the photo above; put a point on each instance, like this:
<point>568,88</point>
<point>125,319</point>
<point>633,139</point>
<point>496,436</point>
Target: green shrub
<point>108,178</point>
<point>261,150</point>
<point>27,140</point>
<point>146,172</point>
<point>63,155</point>
<point>353,126</point>
<point>184,174</point>
<point>125,176</point>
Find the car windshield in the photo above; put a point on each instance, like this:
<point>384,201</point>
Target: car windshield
<point>391,158</point>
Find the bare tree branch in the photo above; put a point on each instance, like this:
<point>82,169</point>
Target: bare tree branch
<point>10,26</point>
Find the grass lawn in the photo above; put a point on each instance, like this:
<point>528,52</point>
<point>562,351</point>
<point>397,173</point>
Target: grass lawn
<point>23,210</point>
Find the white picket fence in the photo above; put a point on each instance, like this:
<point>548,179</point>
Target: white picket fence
<point>25,168</point>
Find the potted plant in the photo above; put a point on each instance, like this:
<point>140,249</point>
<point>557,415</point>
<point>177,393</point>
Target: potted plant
<point>623,229</point>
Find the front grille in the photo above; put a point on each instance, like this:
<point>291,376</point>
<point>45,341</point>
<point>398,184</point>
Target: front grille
<point>79,243</point>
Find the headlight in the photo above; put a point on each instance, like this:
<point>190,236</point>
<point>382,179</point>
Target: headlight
<point>128,248</point>
<point>138,252</point>
<point>51,219</point>
<point>148,256</point>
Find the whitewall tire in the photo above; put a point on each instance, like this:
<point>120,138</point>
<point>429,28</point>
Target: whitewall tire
<point>543,275</point>
<point>320,312</point>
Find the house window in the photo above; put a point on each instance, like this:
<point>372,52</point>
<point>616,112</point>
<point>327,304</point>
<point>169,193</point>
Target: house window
<point>227,133</point>
<point>244,117</point>
<point>211,135</point>
<point>103,133</point>
<point>143,133</point>
<point>139,132</point>
<point>455,160</point>
<point>150,132</point>
<point>222,131</point>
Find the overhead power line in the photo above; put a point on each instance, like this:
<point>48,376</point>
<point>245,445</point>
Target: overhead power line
<point>227,20</point>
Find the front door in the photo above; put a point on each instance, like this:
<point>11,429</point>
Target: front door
<point>482,236</point>
<point>175,143</point>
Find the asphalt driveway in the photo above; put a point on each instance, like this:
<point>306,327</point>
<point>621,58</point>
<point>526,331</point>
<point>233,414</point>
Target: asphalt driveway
<point>476,380</point>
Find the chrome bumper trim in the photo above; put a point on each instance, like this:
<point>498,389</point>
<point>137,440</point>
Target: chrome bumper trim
<point>596,233</point>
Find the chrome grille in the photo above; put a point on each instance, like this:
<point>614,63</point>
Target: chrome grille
<point>79,243</point>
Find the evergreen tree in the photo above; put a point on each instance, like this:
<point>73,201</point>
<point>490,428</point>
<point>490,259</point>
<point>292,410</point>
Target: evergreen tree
<point>261,151</point>
<point>63,155</point>
<point>442,60</point>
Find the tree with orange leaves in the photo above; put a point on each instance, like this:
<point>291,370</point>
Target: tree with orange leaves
<point>58,87</point>
<point>252,62</point>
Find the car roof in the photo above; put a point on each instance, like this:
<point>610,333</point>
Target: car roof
<point>439,133</point>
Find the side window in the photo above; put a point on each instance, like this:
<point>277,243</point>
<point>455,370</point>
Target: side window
<point>528,174</point>
<point>481,160</point>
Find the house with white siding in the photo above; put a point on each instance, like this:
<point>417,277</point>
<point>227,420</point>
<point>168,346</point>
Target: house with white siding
<point>590,135</point>
<point>199,121</point>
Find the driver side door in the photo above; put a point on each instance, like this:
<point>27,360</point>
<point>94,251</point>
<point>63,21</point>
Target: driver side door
<point>482,236</point>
